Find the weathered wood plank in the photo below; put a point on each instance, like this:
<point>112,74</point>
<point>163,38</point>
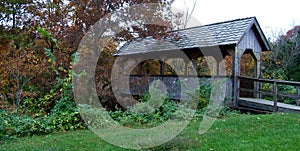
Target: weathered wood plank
<point>267,105</point>
<point>293,83</point>
<point>270,93</point>
<point>251,41</point>
<point>139,85</point>
<point>275,96</point>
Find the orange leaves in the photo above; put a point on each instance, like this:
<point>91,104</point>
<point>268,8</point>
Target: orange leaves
<point>247,65</point>
<point>228,65</point>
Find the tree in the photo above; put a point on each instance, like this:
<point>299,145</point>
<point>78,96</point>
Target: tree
<point>13,13</point>
<point>21,68</point>
<point>24,65</point>
<point>293,70</point>
<point>283,61</point>
<point>133,27</point>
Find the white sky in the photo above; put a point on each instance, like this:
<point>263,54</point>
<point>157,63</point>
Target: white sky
<point>274,16</point>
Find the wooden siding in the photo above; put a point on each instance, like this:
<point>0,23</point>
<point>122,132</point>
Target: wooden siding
<point>250,41</point>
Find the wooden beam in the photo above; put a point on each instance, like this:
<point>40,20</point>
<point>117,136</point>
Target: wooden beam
<point>235,78</point>
<point>218,68</point>
<point>194,62</point>
<point>275,96</point>
<point>234,81</point>
<point>140,65</point>
<point>236,73</point>
<point>259,73</point>
<point>266,105</point>
<point>186,71</point>
<point>292,83</point>
<point>162,67</point>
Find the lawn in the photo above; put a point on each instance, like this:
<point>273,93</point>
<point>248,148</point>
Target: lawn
<point>240,132</point>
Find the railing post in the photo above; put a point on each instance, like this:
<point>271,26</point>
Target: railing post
<point>297,92</point>
<point>275,96</point>
<point>237,91</point>
<point>259,88</point>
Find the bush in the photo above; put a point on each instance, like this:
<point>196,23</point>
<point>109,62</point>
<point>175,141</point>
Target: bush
<point>64,116</point>
<point>143,115</point>
<point>13,125</point>
<point>54,111</point>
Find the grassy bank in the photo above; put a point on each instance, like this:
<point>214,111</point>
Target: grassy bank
<point>241,132</point>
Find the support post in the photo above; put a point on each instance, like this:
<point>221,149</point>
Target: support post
<point>237,91</point>
<point>236,73</point>
<point>140,68</point>
<point>195,65</point>
<point>186,72</point>
<point>258,74</point>
<point>297,92</point>
<point>234,81</point>
<point>275,96</point>
<point>162,67</point>
<point>218,68</point>
<point>259,89</point>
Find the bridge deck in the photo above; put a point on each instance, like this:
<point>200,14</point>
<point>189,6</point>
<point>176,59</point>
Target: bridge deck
<point>266,105</point>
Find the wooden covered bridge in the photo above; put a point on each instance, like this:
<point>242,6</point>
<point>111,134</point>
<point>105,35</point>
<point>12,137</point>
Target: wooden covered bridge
<point>221,45</point>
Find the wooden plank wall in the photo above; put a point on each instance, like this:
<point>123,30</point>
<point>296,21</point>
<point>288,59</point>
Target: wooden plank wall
<point>250,41</point>
<point>140,85</point>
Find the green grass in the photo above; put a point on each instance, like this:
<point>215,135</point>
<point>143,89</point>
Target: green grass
<point>242,132</point>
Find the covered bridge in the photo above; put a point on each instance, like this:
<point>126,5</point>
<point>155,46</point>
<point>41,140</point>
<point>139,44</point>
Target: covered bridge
<point>231,39</point>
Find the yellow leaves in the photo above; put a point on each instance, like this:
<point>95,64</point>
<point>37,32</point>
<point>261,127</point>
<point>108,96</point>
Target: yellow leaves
<point>247,65</point>
<point>278,62</point>
<point>61,69</point>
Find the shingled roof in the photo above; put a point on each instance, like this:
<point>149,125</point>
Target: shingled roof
<point>217,34</point>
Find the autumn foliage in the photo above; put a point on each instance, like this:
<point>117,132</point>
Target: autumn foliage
<point>32,62</point>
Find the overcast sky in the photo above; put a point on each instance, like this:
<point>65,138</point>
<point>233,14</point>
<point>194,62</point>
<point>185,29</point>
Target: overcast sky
<point>274,16</point>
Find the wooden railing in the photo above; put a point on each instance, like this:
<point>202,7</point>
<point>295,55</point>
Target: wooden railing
<point>139,84</point>
<point>275,92</point>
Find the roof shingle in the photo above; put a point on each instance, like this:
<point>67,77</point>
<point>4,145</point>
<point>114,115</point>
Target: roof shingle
<point>217,34</point>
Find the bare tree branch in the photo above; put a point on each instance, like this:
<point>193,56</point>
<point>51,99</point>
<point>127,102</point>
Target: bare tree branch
<point>188,13</point>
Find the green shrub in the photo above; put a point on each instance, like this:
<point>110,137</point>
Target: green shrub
<point>64,116</point>
<point>13,125</point>
<point>144,115</point>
